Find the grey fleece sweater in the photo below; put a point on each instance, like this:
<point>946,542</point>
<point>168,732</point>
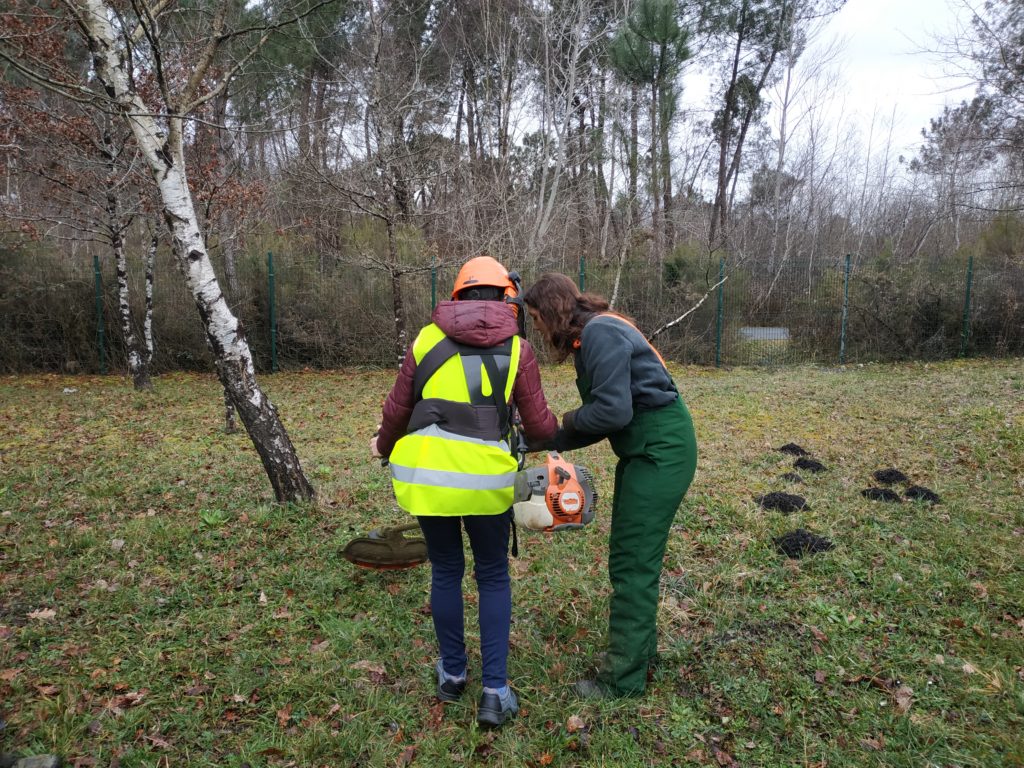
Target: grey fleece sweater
<point>624,372</point>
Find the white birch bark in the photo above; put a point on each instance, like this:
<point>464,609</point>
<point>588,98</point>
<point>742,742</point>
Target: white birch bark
<point>147,324</point>
<point>163,151</point>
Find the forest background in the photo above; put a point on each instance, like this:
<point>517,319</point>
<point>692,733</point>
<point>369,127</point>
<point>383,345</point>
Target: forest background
<point>371,147</point>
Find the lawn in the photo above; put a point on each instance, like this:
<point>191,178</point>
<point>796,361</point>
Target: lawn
<point>157,609</point>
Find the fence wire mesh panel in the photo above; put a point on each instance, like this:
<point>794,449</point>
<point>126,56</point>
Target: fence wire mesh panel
<point>329,313</point>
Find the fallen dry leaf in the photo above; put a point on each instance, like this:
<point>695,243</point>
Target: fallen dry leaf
<point>284,715</point>
<point>874,744</point>
<point>407,756</point>
<point>375,672</point>
<point>819,677</point>
<point>263,597</point>
<point>820,636</point>
<point>43,614</point>
<point>6,675</point>
<point>969,669</point>
<point>575,723</point>
<point>319,647</point>
<point>904,695</point>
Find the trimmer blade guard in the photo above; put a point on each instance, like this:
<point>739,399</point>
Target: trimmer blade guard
<point>386,550</point>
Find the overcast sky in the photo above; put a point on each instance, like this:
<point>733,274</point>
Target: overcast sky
<point>883,65</point>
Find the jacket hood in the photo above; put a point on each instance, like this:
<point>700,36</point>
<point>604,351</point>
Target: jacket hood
<point>476,323</point>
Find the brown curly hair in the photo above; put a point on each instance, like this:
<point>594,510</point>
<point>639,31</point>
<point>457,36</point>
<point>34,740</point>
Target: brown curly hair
<point>563,309</point>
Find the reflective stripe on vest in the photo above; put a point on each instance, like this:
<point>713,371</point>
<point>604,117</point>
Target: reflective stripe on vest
<point>437,472</point>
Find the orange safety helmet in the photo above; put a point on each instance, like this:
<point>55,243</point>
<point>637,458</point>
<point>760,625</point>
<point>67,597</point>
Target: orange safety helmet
<point>486,270</point>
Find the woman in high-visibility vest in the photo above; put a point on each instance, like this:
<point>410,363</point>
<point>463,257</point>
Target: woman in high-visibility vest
<point>446,432</point>
<point>629,397</point>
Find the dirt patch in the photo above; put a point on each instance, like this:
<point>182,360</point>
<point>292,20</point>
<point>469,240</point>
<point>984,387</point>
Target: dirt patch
<point>890,476</point>
<point>792,449</point>
<point>920,493</point>
<point>792,477</point>
<point>881,494</point>
<point>798,543</point>
<point>809,465</point>
<point>783,502</point>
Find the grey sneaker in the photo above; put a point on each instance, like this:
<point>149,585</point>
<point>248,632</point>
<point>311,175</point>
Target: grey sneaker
<point>449,688</point>
<point>494,710</point>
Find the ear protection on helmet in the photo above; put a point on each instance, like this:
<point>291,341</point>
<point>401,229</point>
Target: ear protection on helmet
<point>513,297</point>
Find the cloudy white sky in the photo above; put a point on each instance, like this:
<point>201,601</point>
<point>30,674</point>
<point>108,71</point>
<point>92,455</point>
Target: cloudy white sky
<point>885,65</point>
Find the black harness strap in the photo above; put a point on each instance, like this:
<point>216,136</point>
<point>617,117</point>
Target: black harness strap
<point>498,375</point>
<point>431,364</point>
<point>497,361</point>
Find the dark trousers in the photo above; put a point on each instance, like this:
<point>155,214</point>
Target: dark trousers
<point>488,538</point>
<point>657,458</point>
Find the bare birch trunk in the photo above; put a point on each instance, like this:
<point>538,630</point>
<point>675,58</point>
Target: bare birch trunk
<point>136,361</point>
<point>147,324</point>
<point>164,154</point>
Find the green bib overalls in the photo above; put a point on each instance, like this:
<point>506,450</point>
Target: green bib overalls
<point>657,454</point>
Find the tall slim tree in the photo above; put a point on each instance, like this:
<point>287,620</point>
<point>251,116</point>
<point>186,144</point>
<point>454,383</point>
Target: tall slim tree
<point>155,80</point>
<point>650,50</point>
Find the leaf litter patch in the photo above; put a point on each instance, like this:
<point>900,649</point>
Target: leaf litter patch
<point>800,542</point>
<point>890,476</point>
<point>881,494</point>
<point>920,493</point>
<point>793,449</point>
<point>783,502</point>
<point>810,465</point>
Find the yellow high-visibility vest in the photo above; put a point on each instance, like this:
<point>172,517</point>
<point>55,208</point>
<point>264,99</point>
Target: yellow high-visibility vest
<point>456,459</point>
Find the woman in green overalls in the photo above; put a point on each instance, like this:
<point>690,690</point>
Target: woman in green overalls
<point>630,398</point>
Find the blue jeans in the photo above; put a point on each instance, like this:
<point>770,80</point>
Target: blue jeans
<point>488,538</point>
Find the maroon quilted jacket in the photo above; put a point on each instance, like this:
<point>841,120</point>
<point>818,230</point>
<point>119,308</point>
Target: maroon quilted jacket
<point>478,324</point>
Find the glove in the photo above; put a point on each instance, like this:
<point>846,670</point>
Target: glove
<point>537,446</point>
<point>568,438</point>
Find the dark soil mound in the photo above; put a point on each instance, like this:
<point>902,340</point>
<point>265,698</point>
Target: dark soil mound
<point>881,494</point>
<point>890,476</point>
<point>792,477</point>
<point>809,464</point>
<point>793,449</point>
<point>783,502</point>
<point>920,493</point>
<point>800,542</point>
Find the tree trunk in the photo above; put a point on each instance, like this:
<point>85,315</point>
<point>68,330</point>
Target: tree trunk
<point>148,322</point>
<point>656,222</point>
<point>136,360</point>
<point>230,425</point>
<point>634,150</point>
<point>164,153</point>
<point>397,300</point>
<point>666,169</point>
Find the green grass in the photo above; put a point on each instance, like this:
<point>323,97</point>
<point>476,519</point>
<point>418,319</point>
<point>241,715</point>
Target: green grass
<point>196,623</point>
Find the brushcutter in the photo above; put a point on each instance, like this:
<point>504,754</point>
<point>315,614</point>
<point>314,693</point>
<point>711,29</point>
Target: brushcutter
<point>555,496</point>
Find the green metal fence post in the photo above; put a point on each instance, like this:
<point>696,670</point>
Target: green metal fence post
<point>273,312</point>
<point>433,283</point>
<point>100,341</point>
<point>583,272</point>
<point>846,311</point>
<point>966,332</point>
<point>721,313</point>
